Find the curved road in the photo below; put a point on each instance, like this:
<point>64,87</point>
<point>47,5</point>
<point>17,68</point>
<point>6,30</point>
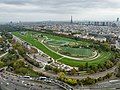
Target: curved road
<point>96,75</point>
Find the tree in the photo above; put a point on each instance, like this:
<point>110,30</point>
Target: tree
<point>1,64</point>
<point>56,70</point>
<point>106,46</point>
<point>22,71</point>
<point>9,59</point>
<point>118,70</point>
<point>86,65</point>
<point>73,71</point>
<point>94,68</point>
<point>48,67</point>
<point>18,64</point>
<point>87,81</point>
<point>91,71</point>
<point>20,48</point>
<point>101,67</point>
<point>81,67</point>
<point>1,40</point>
<point>71,81</point>
<point>61,76</point>
<point>100,79</point>
<point>109,64</point>
<point>108,75</point>
<point>31,61</point>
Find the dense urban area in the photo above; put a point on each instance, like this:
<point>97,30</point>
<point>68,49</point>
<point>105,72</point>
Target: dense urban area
<point>60,55</point>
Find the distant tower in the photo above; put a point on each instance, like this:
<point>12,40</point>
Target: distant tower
<point>71,20</point>
<point>117,19</point>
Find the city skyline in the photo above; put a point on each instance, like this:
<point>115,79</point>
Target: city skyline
<point>59,10</point>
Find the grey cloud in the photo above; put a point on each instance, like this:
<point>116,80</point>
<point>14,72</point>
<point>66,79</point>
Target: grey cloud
<point>65,3</point>
<point>59,7</point>
<point>14,2</point>
<point>76,3</point>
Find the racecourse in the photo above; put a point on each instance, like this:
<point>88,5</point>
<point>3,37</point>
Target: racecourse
<point>104,56</point>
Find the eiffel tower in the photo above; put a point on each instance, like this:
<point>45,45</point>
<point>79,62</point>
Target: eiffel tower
<point>71,20</point>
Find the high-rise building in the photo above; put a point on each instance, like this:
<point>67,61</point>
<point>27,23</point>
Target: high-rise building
<point>117,19</point>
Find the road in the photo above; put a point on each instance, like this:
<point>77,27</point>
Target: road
<point>96,75</point>
<point>107,85</point>
<point>9,81</point>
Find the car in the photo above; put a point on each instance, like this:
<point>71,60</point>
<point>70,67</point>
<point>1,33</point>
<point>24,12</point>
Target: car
<point>1,70</point>
<point>23,82</point>
<point>42,78</point>
<point>32,84</point>
<point>26,77</point>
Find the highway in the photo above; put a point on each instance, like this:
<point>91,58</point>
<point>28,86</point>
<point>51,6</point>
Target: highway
<point>108,85</point>
<point>10,81</point>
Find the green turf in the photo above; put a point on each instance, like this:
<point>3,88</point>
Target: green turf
<point>63,39</point>
<point>77,51</point>
<point>56,42</point>
<point>37,44</point>
<point>101,59</point>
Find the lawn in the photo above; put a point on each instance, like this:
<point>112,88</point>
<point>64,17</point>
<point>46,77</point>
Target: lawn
<point>28,38</point>
<point>104,56</point>
<point>100,60</point>
<point>56,42</point>
<point>63,39</point>
<point>77,51</point>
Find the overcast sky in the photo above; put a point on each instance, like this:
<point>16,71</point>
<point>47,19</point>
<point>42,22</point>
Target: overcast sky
<point>60,10</point>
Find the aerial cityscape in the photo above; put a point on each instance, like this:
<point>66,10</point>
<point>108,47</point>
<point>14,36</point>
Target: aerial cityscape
<point>59,45</point>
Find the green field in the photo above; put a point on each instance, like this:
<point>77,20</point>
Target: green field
<point>104,56</point>
<point>78,51</point>
<point>56,42</point>
<point>28,38</point>
<point>100,60</point>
